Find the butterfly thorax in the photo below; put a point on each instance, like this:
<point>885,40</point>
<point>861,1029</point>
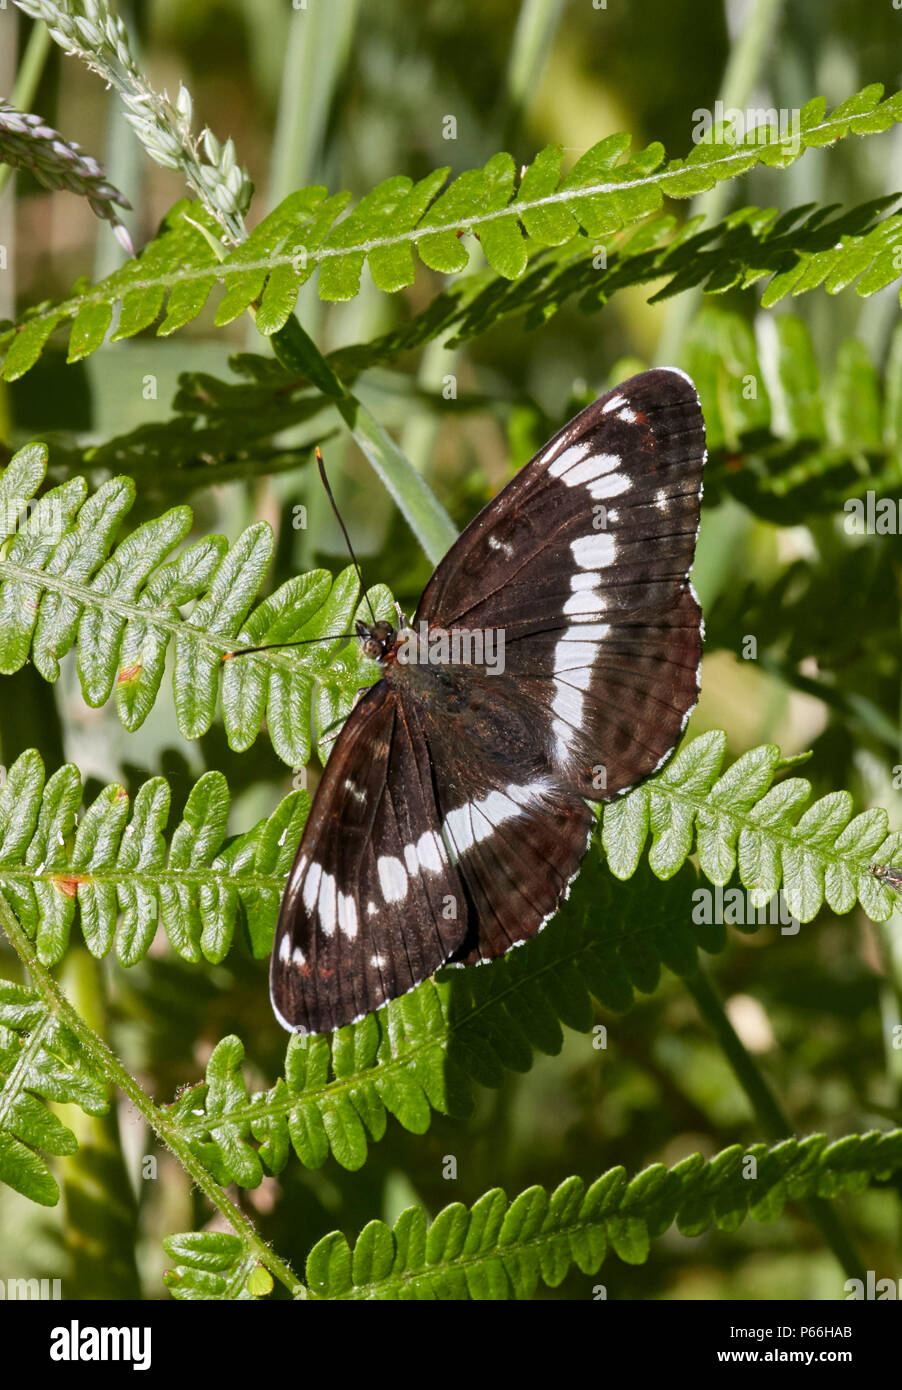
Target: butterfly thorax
<point>459,696</point>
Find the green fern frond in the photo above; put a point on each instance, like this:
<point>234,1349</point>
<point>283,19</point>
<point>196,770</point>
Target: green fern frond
<point>499,1250</point>
<point>738,252</point>
<point>424,1051</point>
<point>511,214</point>
<point>751,243</point>
<point>785,439</point>
<point>62,584</point>
<point>740,820</point>
<point>503,1250</point>
<point>40,1061</point>
<point>201,445</point>
<point>113,870</point>
<point>213,1265</point>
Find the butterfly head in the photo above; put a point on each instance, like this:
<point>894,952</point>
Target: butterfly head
<point>377,639</point>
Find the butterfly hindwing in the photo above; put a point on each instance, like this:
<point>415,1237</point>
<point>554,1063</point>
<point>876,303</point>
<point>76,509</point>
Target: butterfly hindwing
<point>516,838</point>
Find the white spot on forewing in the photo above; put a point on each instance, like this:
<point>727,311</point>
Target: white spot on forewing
<point>611,486</point>
<point>567,702</point>
<point>592,552</point>
<point>428,853</point>
<point>574,655</point>
<point>568,656</point>
<point>297,956</point>
<point>504,546</point>
<point>580,676</point>
<point>569,457</point>
<point>562,736</point>
<point>583,632</point>
<point>326,905</point>
<point>496,808</point>
<point>595,467</point>
<point>588,601</point>
<point>311,886</point>
<point>347,916</point>
<point>629,416</point>
<point>613,403</point>
<point>392,878</point>
<point>568,707</point>
<point>285,948</point>
<point>356,792</point>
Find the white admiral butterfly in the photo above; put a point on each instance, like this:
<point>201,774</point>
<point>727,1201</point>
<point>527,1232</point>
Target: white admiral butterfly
<point>452,814</point>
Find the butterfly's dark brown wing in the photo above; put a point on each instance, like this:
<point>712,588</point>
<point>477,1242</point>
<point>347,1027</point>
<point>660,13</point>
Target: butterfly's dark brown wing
<point>373,903</point>
<point>451,815</point>
<point>582,562</point>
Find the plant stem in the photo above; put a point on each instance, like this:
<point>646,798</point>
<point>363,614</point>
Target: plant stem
<point>744,65</point>
<point>101,1212</point>
<point>770,1113</point>
<point>425,515</point>
<point>537,24</point>
<point>316,53</point>
<point>116,1074</point>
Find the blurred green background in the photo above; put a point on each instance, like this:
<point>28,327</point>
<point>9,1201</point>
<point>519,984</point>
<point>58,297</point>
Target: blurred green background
<point>347,94</point>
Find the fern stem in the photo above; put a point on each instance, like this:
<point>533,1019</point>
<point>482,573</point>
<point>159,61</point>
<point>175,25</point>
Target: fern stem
<point>771,1115</point>
<point>101,1213</point>
<point>425,515</point>
<point>169,1133</point>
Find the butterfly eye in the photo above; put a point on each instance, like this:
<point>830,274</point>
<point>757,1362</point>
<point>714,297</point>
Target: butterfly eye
<point>372,648</point>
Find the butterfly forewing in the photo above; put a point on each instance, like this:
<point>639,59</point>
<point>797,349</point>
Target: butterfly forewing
<point>365,913</point>
<point>583,562</point>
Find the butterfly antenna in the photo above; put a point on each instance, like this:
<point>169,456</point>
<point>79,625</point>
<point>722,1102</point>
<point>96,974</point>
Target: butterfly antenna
<point>344,529</point>
<point>302,642</point>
